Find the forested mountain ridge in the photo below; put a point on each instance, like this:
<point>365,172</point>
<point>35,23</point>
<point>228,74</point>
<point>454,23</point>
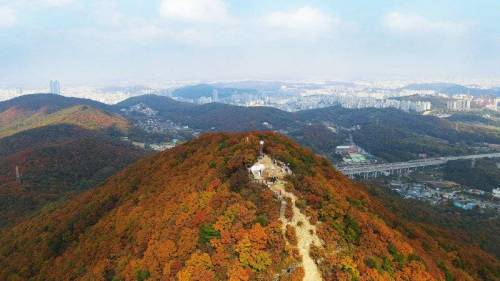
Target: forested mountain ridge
<point>53,162</point>
<point>214,116</point>
<point>390,134</point>
<point>159,103</point>
<point>193,213</point>
<point>34,111</point>
<point>395,135</point>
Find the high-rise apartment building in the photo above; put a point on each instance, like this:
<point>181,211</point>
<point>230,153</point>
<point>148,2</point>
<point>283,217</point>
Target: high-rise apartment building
<point>55,87</point>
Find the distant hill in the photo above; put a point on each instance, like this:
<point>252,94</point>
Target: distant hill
<point>159,103</point>
<point>272,86</point>
<point>214,116</point>
<point>395,135</point>
<point>193,213</point>
<point>33,111</point>
<point>223,117</point>
<point>453,89</point>
<point>55,161</point>
<point>437,102</point>
<point>49,102</point>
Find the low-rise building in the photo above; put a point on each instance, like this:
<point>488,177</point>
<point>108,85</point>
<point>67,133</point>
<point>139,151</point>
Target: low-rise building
<point>496,192</point>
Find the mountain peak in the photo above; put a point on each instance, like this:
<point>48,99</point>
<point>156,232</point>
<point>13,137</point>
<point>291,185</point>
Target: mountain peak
<point>198,212</point>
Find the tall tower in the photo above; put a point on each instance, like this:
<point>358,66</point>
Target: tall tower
<point>215,95</point>
<point>261,148</point>
<point>55,87</point>
<point>18,174</point>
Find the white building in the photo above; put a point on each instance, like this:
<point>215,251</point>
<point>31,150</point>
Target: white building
<point>257,171</point>
<point>496,192</point>
<point>494,105</point>
<point>460,104</point>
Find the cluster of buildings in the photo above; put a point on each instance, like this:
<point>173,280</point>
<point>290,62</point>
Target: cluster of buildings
<point>153,146</point>
<point>353,155</point>
<point>148,120</point>
<point>163,145</point>
<point>157,125</point>
<point>467,103</point>
<point>356,102</point>
<point>493,104</point>
<point>292,96</point>
<point>203,99</point>
<point>415,106</point>
<point>140,108</point>
<point>459,103</point>
<point>456,195</point>
<point>356,96</point>
<point>298,102</point>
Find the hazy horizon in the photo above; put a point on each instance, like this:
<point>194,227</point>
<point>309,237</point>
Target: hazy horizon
<point>109,42</point>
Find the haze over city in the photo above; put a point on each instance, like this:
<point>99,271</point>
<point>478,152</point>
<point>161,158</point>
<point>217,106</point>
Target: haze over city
<point>110,42</point>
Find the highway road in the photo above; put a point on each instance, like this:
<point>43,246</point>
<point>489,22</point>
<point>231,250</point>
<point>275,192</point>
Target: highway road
<point>375,170</point>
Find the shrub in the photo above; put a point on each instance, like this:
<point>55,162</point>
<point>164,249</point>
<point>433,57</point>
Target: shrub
<point>414,257</point>
<point>142,275</point>
<point>373,262</point>
<point>396,256</point>
<point>262,220</point>
<point>349,266</point>
<point>301,204</point>
<point>447,274</point>
<point>352,232</point>
<point>355,203</point>
<point>238,180</point>
<point>206,233</point>
<point>386,265</point>
<point>56,245</point>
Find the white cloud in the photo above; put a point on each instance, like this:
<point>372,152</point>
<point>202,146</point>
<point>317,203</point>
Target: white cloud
<point>116,27</point>
<point>305,19</point>
<point>8,17</point>
<point>201,11</point>
<point>400,22</point>
<point>56,3</point>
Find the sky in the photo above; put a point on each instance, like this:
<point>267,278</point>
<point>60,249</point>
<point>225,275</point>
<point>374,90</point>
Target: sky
<point>109,41</point>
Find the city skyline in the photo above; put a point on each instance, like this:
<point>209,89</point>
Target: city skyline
<point>99,42</point>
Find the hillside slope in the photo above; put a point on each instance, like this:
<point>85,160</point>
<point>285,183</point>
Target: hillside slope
<point>14,120</point>
<point>193,213</point>
<point>55,161</point>
<point>214,116</point>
